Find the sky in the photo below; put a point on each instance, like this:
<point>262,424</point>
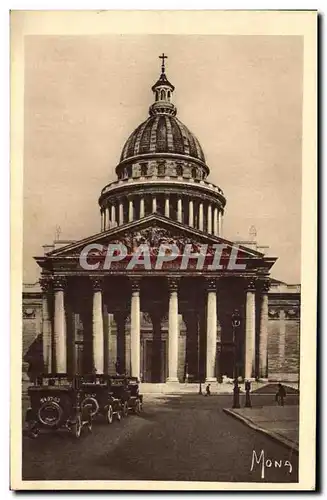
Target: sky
<point>240,95</point>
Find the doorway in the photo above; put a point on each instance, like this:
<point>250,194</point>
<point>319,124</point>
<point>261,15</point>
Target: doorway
<point>155,361</point>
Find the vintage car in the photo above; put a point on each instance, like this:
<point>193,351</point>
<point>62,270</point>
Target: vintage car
<point>135,402</point>
<point>97,393</point>
<point>119,390</point>
<point>56,404</point>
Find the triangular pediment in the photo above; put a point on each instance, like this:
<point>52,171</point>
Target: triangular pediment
<point>153,230</point>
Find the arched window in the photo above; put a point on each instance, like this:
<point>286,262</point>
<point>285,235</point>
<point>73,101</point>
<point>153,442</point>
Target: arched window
<point>143,169</point>
<point>162,95</point>
<point>161,168</point>
<point>157,95</point>
<point>179,170</point>
<point>193,173</point>
<point>168,94</point>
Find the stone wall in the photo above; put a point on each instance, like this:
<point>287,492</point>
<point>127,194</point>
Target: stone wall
<point>284,336</point>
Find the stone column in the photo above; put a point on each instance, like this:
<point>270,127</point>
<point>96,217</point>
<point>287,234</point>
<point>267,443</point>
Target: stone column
<point>60,341</point>
<point>215,221</point>
<point>97,325</point>
<point>130,210</point>
<point>104,219</point>
<point>209,224</point>
<point>135,329</point>
<point>250,331</point>
<point>46,325</point>
<point>191,213</point>
<point>201,216</point>
<point>101,214</point>
<point>167,206</point>
<point>263,338</point>
<point>179,210</point>
<point>121,213</point>
<point>173,332</point>
<point>142,211</point>
<point>220,223</point>
<point>211,330</point>
<point>154,204</point>
<point>108,216</point>
<point>113,214</point>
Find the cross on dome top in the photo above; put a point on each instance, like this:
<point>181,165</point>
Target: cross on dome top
<point>163,57</point>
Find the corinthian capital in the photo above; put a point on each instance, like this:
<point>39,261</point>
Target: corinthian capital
<point>173,284</point>
<point>46,283</point>
<point>96,282</point>
<point>59,283</point>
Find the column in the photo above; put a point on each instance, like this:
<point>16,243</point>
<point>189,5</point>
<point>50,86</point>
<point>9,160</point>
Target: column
<point>250,331</point>
<point>215,221</point>
<point>121,213</point>
<point>211,330</point>
<point>154,204</point>
<point>191,213</point>
<point>59,334</point>
<point>173,331</point>
<point>179,210</point>
<point>209,224</point>
<point>130,210</point>
<point>135,329</point>
<point>97,327</point>
<point>104,219</point>
<point>201,216</point>
<point>220,223</point>
<point>263,338</point>
<point>102,228</point>
<point>113,214</point>
<point>141,207</point>
<point>167,206</point>
<point>108,217</point>
<point>46,325</point>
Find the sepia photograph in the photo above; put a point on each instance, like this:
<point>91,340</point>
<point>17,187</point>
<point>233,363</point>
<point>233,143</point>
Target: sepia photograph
<point>162,287</point>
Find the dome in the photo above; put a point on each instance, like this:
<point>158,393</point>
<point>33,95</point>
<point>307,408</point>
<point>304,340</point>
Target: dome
<point>162,133</point>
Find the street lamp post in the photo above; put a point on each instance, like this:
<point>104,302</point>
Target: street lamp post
<point>236,323</point>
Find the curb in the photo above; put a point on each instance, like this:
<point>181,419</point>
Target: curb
<point>282,440</point>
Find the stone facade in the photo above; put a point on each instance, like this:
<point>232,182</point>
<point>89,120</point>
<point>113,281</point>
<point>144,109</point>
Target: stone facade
<point>283,334</point>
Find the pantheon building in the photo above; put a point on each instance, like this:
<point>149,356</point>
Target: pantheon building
<point>167,324</point>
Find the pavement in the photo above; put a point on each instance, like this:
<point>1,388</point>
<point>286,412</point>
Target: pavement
<point>280,423</point>
<point>184,437</point>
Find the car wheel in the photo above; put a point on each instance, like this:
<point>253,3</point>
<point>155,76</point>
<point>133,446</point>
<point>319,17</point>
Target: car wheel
<point>137,409</point>
<point>77,427</point>
<point>125,409</point>
<point>109,414</point>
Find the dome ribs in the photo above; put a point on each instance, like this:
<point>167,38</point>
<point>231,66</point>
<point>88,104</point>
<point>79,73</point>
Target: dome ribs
<point>170,142</point>
<point>153,137</point>
<point>140,138</point>
<point>184,133</point>
<point>130,144</point>
<point>177,137</point>
<point>162,135</point>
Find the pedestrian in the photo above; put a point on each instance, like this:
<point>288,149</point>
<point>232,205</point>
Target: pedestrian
<point>280,395</point>
<point>208,393</point>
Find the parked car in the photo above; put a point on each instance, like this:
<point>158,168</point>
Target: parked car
<point>120,390</point>
<point>97,393</point>
<point>135,402</point>
<point>56,404</point>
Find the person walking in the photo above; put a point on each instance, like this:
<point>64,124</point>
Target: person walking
<point>280,395</point>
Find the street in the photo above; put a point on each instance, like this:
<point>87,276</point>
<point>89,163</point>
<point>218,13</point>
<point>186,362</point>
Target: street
<point>177,438</point>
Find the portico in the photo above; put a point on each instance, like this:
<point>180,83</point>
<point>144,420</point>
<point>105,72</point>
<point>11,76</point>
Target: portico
<point>164,323</point>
